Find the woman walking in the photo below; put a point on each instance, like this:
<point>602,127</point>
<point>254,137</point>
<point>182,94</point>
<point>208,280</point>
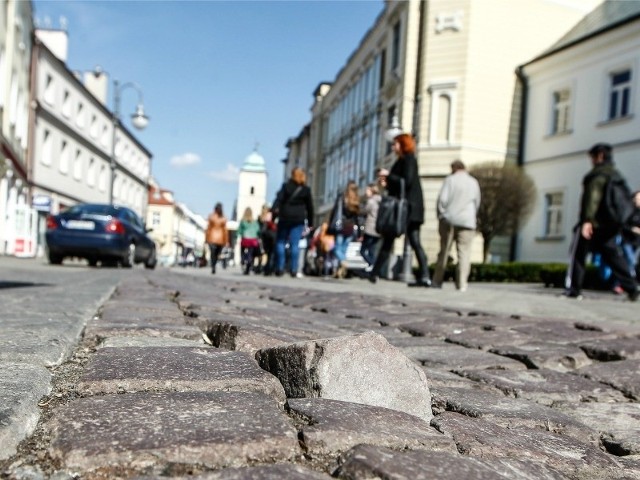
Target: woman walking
<point>216,236</point>
<point>370,238</point>
<point>349,225</point>
<point>405,168</point>
<point>249,233</point>
<point>293,206</point>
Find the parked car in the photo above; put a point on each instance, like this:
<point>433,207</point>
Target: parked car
<point>99,233</point>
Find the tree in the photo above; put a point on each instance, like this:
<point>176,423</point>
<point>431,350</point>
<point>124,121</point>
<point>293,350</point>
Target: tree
<point>508,196</point>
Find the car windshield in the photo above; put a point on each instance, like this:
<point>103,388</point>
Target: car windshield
<point>95,209</point>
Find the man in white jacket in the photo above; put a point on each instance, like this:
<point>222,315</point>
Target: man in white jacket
<point>457,208</point>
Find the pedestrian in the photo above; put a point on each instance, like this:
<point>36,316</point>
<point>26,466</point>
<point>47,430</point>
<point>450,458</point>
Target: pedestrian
<point>249,233</point>
<point>325,246</point>
<point>292,207</point>
<point>405,168</point>
<point>596,231</point>
<point>349,225</point>
<point>268,239</point>
<point>216,236</point>
<point>457,207</point>
<point>370,237</point>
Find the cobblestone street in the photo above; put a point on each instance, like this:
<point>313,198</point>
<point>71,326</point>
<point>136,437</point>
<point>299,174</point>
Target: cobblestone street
<point>177,373</point>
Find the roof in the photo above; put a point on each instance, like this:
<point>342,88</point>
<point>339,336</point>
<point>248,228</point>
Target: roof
<point>608,15</point>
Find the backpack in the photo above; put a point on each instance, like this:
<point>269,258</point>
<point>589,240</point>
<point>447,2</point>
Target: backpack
<point>618,200</point>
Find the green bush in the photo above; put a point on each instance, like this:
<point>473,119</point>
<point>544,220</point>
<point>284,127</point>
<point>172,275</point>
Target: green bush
<point>550,274</point>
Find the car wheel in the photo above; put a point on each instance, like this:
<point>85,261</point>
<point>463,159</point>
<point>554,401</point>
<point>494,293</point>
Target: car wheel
<point>55,259</point>
<point>130,257</point>
<point>151,261</point>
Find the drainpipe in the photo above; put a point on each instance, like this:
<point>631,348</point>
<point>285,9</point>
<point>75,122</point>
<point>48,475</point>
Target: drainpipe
<point>524,102</point>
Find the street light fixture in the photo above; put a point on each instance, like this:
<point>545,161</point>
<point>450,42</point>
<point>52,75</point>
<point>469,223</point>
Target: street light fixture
<point>138,119</point>
<point>406,275</point>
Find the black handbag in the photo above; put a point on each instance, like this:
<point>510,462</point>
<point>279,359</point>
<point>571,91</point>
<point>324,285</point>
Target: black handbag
<point>337,217</point>
<point>392,214</point>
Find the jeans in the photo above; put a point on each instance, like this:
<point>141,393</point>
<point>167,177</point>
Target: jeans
<point>340,249</point>
<point>215,253</point>
<point>368,248</point>
<point>413,235</point>
<point>293,233</point>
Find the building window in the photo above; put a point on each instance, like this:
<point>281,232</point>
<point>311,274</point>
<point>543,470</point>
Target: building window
<point>102,179</point>
<point>553,214</point>
<point>620,94</point>
<point>64,157</point>
<point>155,219</point>
<point>49,90</point>
<point>442,119</point>
<point>77,165</point>
<point>47,148</point>
<point>395,52</point>
<point>66,104</point>
<point>383,67</point>
<point>93,128</point>
<point>91,173</point>
<point>561,111</point>
<point>80,115</point>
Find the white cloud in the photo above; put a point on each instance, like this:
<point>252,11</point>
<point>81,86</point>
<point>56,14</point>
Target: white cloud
<point>229,174</point>
<point>184,160</point>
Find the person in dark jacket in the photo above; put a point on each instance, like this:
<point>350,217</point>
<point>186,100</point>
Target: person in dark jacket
<point>595,231</point>
<point>293,208</point>
<point>405,168</point>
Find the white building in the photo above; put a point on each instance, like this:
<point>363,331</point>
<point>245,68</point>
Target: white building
<point>445,68</point>
<point>72,141</point>
<point>583,90</point>
<point>17,223</point>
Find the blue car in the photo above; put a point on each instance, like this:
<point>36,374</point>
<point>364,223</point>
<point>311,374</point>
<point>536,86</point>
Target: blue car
<point>99,233</point>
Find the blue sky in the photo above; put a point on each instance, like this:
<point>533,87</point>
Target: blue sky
<point>217,77</point>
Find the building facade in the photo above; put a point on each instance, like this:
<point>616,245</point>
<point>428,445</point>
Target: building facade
<point>445,70</point>
<point>17,223</point>
<point>584,90</point>
<point>175,229</point>
<point>72,142</point>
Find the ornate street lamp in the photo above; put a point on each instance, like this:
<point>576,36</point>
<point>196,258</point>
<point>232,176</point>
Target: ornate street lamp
<point>138,119</point>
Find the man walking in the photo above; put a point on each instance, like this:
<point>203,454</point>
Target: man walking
<point>596,231</point>
<point>458,204</point>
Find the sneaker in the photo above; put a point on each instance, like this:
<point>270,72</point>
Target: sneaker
<point>299,275</point>
<point>372,277</point>
<point>368,268</point>
<point>572,294</point>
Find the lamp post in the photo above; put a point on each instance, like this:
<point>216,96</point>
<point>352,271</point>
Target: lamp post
<point>138,119</point>
<point>406,275</point>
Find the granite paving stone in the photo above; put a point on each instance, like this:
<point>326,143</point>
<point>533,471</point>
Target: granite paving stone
<point>479,438</point>
<point>483,338</point>
<point>456,357</point>
<point>351,369</point>
<point>372,462</point>
<point>618,423</point>
<point>331,426</point>
<point>509,412</point>
<point>564,332</point>
<point>613,349</point>
<point>265,472</point>
<point>142,341</point>
<point>553,356</point>
<point>131,369</point>
<point>142,430</point>
<point>100,330</point>
<point>545,386</point>
<point>623,375</point>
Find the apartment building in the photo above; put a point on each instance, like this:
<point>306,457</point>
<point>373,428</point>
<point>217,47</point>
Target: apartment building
<point>16,221</point>
<point>73,138</point>
<point>445,69</point>
<point>583,90</point>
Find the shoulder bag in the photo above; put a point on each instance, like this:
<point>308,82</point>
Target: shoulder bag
<point>392,214</point>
